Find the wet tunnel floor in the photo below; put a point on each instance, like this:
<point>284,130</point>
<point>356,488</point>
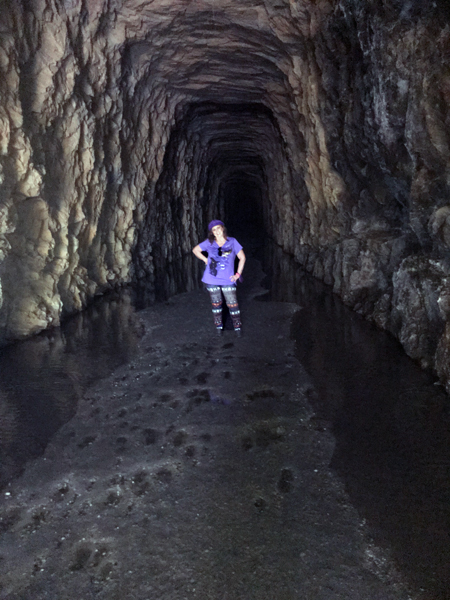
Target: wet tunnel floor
<point>224,468</point>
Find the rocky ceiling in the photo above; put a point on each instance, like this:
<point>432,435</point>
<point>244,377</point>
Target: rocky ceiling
<point>125,125</point>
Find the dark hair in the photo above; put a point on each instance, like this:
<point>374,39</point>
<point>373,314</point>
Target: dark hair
<point>211,237</point>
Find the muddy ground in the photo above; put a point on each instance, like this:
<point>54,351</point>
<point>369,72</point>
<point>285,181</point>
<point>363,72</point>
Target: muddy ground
<point>195,471</point>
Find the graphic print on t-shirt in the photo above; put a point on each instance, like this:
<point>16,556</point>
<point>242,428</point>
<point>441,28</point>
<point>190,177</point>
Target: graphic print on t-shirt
<point>220,261</point>
<point>220,266</point>
<point>223,257</point>
<point>213,267</point>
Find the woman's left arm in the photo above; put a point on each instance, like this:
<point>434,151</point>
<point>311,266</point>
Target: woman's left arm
<point>241,257</point>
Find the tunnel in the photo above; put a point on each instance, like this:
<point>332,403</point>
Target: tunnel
<point>318,131</point>
<point>126,127</point>
<point>221,159</point>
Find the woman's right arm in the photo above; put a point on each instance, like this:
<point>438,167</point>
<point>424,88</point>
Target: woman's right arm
<point>198,253</point>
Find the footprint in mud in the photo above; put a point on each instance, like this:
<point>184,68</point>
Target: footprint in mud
<point>121,444</point>
<point>180,439</point>
<point>164,475</point>
<point>9,518</point>
<point>61,492</point>
<point>150,436</point>
<point>139,483</point>
<point>38,517</point>
<point>260,504</point>
<point>190,451</point>
<point>198,396</point>
<point>81,558</point>
<point>285,482</point>
<point>88,440</point>
<point>266,436</point>
<point>88,556</point>
<point>202,378</point>
<point>262,394</point>
<point>38,565</point>
<point>113,498</point>
<point>165,397</point>
<point>247,443</point>
<point>118,479</point>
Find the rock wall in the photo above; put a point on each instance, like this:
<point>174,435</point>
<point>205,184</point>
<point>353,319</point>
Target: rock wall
<point>125,125</point>
<point>385,111</point>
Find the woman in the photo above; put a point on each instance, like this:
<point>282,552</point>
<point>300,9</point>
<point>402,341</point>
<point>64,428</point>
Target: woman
<point>219,275</point>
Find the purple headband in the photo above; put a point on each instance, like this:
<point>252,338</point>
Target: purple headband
<point>214,223</point>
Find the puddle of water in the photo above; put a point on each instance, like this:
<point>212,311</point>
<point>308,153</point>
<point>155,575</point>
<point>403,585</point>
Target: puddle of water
<point>42,378</point>
<point>390,420</point>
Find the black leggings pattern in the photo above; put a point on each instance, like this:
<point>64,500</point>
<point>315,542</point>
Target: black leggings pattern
<point>229,292</point>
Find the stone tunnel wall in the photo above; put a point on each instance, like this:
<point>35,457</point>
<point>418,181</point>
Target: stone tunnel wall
<point>122,121</point>
<point>389,142</point>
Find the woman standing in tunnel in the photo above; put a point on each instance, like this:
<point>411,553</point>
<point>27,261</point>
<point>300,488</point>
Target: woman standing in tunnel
<point>219,276</point>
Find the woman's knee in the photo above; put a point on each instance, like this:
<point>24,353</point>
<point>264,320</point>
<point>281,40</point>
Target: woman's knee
<point>230,296</point>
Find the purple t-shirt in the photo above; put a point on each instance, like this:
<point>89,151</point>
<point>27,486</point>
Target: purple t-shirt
<point>219,269</point>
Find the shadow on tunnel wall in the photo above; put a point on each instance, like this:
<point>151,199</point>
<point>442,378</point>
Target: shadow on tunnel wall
<point>169,278</point>
<point>390,420</point>
<point>41,379</point>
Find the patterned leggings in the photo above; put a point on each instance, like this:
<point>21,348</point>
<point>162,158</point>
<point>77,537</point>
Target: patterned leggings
<point>229,291</point>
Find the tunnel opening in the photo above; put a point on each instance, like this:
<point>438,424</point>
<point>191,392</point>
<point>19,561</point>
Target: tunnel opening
<point>242,196</point>
<point>222,161</point>
<point>242,199</point>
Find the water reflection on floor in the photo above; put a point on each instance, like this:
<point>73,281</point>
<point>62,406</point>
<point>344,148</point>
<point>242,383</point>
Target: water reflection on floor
<point>390,420</point>
<point>42,378</point>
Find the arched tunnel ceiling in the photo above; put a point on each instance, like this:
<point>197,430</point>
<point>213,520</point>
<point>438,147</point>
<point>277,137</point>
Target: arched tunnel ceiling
<point>218,51</point>
<point>124,124</point>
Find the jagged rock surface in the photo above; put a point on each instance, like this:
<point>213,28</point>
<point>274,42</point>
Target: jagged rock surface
<point>125,125</point>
